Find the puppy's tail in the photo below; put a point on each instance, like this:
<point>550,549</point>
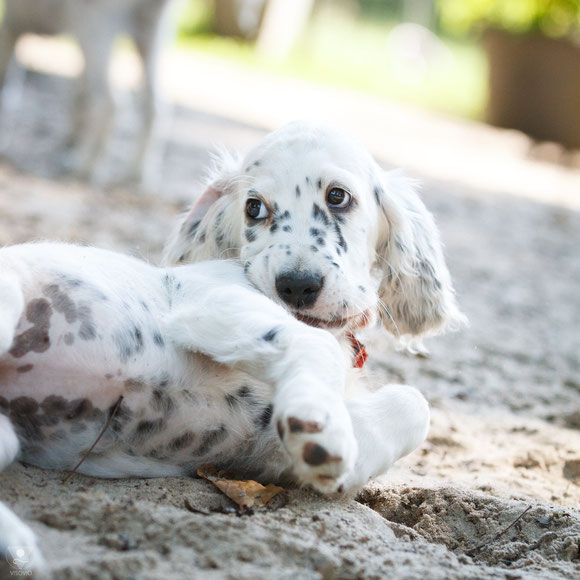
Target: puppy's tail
<point>11,308</point>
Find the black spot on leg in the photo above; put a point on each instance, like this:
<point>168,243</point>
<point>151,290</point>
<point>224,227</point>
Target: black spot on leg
<point>202,237</point>
<point>265,418</point>
<point>246,267</point>
<point>287,228</point>
<point>378,191</point>
<point>298,192</point>
<point>244,392</point>
<point>181,442</point>
<point>313,249</point>
<point>210,439</point>
<point>158,339</point>
<point>308,182</point>
<point>362,289</point>
<point>150,427</point>
<point>270,335</point>
<point>35,339</point>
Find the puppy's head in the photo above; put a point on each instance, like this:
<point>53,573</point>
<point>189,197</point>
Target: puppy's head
<point>322,230</point>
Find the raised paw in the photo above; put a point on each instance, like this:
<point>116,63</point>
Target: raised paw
<point>320,442</point>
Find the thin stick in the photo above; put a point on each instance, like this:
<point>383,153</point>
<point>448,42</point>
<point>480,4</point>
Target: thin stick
<point>499,535</point>
<point>105,427</point>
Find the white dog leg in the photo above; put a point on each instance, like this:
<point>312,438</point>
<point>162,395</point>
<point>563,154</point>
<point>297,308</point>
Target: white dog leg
<point>18,547</point>
<point>388,424</point>
<point>234,324</point>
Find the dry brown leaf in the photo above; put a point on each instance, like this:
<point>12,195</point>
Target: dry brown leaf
<point>247,494</point>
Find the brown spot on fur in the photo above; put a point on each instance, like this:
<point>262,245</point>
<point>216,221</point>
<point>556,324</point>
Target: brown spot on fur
<point>315,454</point>
<point>35,339</point>
<point>182,441</point>
<point>79,409</point>
<point>25,368</point>
<point>299,426</point>
<point>54,406</point>
<point>61,302</point>
<point>23,406</point>
<point>134,385</point>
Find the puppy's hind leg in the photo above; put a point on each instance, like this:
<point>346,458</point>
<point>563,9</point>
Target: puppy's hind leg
<point>11,307</point>
<point>388,424</point>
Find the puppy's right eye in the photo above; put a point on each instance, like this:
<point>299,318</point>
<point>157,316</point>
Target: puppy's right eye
<point>256,209</point>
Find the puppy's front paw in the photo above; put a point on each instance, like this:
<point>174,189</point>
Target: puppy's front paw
<point>319,438</point>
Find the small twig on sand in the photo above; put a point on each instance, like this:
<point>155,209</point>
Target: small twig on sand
<point>105,427</point>
<point>476,549</point>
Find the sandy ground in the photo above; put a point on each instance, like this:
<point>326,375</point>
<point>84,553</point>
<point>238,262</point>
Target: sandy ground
<point>505,393</point>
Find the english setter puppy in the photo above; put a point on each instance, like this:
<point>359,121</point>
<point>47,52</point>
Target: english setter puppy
<point>241,356</point>
<point>96,25</point>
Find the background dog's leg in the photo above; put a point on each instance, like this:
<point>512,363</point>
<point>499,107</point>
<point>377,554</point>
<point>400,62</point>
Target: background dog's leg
<point>92,128</point>
<point>388,424</point>
<point>150,37</point>
<point>11,307</point>
<point>234,324</point>
<point>7,43</point>
<point>18,548</point>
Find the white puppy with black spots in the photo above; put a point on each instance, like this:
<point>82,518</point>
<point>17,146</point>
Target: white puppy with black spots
<point>242,355</point>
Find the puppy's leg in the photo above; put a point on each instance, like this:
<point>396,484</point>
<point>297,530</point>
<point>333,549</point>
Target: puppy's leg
<point>18,547</point>
<point>234,324</point>
<point>388,424</point>
<point>11,307</point>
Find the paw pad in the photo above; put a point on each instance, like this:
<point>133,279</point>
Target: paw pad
<point>298,426</point>
<point>315,454</point>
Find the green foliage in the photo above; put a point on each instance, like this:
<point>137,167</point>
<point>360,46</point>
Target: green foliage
<point>554,18</point>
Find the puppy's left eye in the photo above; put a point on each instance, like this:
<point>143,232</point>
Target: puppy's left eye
<point>338,198</point>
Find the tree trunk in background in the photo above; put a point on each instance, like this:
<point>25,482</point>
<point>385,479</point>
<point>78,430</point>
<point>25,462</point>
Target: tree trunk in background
<point>239,17</point>
<point>534,86</point>
<point>283,23</point>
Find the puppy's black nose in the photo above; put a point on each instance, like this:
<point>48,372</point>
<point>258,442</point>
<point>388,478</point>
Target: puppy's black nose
<point>299,289</point>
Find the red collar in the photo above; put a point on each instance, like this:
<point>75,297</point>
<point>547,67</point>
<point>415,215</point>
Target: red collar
<point>360,352</point>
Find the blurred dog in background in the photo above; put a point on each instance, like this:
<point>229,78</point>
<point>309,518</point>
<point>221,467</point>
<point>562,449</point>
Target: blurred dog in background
<point>96,24</point>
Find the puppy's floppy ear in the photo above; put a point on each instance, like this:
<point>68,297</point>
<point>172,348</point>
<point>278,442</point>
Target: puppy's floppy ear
<point>210,229</point>
<point>416,288</point>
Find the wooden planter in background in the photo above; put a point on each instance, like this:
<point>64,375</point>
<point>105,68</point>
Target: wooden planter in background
<point>534,85</point>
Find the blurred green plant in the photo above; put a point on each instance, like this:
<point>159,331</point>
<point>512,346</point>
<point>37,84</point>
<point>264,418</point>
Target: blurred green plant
<point>554,18</point>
